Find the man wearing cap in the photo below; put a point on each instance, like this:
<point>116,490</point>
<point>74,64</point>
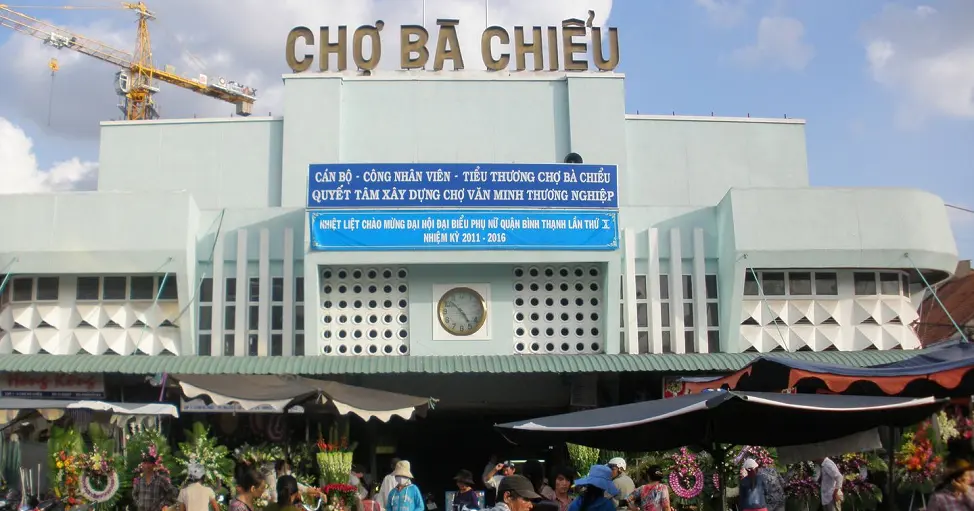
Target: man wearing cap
<point>621,480</point>
<point>515,493</point>
<point>497,473</point>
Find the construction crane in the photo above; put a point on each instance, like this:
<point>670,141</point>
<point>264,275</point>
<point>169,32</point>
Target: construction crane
<point>134,83</point>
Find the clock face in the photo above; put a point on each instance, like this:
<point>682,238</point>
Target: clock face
<point>462,311</point>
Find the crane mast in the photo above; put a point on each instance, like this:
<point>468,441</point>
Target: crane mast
<point>135,82</point>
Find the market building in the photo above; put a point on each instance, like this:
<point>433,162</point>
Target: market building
<point>332,242</point>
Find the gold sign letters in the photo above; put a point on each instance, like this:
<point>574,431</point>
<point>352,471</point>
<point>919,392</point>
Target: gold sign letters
<point>541,43</point>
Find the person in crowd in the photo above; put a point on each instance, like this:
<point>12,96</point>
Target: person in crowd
<point>652,496</point>
<point>250,486</point>
<point>496,474</point>
<point>195,496</point>
<point>597,491</point>
<point>621,480</point>
<point>388,483</point>
<point>357,479</point>
<point>406,495</point>
<point>283,468</point>
<point>563,477</point>
<point>515,493</point>
<point>534,471</point>
<point>466,497</point>
<point>752,490</point>
<point>954,492</point>
<point>288,495</point>
<point>774,488</point>
<point>830,482</point>
<point>152,491</point>
<point>371,502</point>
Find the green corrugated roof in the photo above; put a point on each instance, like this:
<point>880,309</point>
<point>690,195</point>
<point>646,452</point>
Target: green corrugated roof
<point>715,362</point>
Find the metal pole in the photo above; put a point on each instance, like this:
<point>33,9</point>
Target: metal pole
<point>486,13</point>
<point>424,13</point>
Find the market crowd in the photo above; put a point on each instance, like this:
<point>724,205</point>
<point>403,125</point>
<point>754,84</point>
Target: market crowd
<point>606,487</point>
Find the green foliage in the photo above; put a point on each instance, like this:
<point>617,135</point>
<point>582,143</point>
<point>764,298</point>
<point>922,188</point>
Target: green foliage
<point>141,441</point>
<point>582,457</point>
<point>201,448</point>
<point>65,439</point>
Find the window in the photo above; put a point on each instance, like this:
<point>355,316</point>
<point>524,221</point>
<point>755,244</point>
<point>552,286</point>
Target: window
<point>30,289</point>
<point>666,326</point>
<point>750,284</point>
<point>299,316</point>
<point>905,284</point>
<point>689,342</point>
<point>277,316</point>
<point>230,317</point>
<point>113,288</point>
<point>48,289</point>
<point>773,283</point>
<point>142,288</point>
<point>204,345</point>
<point>167,287</point>
<point>713,315</point>
<point>865,283</point>
<point>642,314</point>
<point>89,288</point>
<point>799,283</point>
<point>826,284</point>
<point>711,282</point>
<point>889,283</point>
<point>23,289</point>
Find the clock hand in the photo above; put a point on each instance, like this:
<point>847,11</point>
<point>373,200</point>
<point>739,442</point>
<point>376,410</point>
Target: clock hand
<point>457,307</point>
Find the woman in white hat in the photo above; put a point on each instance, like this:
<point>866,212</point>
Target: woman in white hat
<point>406,495</point>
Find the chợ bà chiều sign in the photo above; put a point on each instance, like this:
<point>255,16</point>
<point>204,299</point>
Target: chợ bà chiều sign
<point>564,48</point>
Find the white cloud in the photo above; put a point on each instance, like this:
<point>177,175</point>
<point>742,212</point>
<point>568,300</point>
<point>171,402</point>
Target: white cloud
<point>780,43</point>
<point>725,13</point>
<point>242,40</point>
<point>20,173</point>
<point>925,57</point>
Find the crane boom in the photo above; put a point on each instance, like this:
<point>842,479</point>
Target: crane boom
<point>137,87</point>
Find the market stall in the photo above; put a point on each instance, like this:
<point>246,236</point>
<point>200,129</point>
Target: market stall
<point>717,424</point>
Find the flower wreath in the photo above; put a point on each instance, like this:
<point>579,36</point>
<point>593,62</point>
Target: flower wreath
<point>686,469</point>
<point>96,467</point>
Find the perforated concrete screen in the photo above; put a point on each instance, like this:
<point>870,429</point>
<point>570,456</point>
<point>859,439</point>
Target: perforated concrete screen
<point>558,309</point>
<point>364,310</point>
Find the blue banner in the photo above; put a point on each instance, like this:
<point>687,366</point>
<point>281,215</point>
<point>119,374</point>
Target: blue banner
<point>432,185</point>
<point>464,230</point>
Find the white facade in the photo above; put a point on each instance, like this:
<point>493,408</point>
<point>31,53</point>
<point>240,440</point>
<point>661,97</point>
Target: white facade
<point>217,207</point>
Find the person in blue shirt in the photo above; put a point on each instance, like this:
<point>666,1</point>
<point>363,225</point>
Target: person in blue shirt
<point>752,488</point>
<point>406,495</point>
<point>594,487</point>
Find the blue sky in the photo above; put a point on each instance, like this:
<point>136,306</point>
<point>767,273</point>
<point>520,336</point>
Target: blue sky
<point>881,84</point>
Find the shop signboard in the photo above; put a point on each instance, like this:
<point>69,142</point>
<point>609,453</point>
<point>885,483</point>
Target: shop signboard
<point>463,207</point>
<point>408,185</point>
<point>52,386</point>
<point>464,230</point>
<point>200,406</point>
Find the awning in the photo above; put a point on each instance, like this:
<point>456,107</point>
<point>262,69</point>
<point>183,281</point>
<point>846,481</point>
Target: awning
<point>52,409</point>
<point>724,417</point>
<point>943,370</point>
<point>281,392</point>
<point>480,364</point>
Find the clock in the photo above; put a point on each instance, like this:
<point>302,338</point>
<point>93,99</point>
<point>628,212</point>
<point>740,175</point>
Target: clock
<point>462,311</point>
